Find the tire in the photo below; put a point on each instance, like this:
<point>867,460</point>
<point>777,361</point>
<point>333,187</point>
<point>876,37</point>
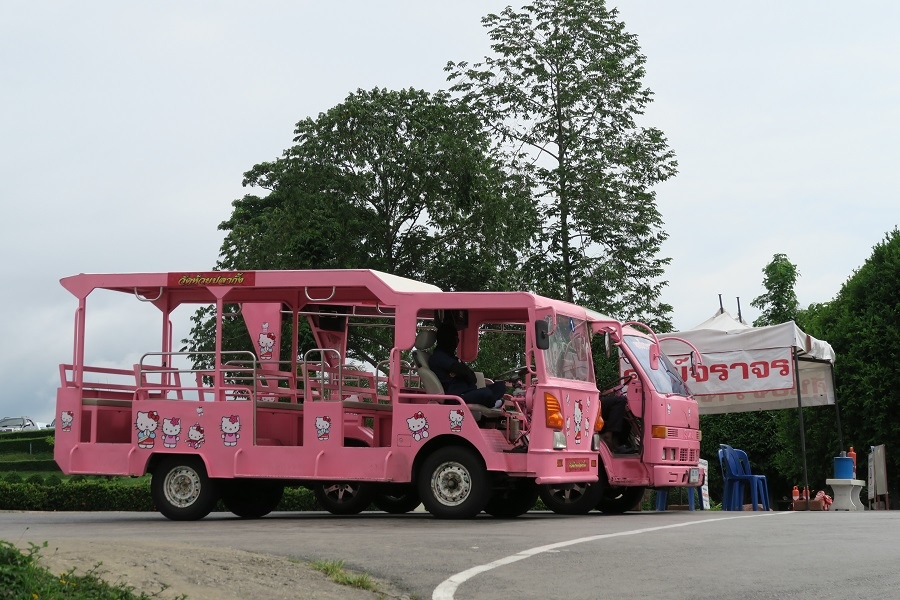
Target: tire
<point>617,500</point>
<point>251,499</point>
<point>571,498</point>
<point>181,489</point>
<point>453,483</point>
<point>344,497</point>
<point>513,501</point>
<point>396,499</point>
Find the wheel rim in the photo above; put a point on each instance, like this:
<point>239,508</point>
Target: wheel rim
<point>568,494</point>
<point>340,492</point>
<point>451,484</point>
<point>182,487</point>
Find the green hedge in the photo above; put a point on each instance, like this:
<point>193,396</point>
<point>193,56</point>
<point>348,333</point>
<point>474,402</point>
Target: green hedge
<point>26,445</point>
<point>108,495</point>
<point>28,435</point>
<point>43,465</point>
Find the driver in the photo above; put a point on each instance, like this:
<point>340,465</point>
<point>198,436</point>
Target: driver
<point>612,408</point>
<point>456,377</point>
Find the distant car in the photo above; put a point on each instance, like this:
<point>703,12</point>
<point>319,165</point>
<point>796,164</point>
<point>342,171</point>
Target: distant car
<point>20,424</point>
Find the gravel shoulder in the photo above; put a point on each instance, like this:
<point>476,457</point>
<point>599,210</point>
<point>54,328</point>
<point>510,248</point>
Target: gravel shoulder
<point>200,573</point>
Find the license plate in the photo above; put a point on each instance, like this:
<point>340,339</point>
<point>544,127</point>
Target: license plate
<point>694,475</point>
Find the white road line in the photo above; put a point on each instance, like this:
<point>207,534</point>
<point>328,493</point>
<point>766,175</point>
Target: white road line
<point>447,588</point>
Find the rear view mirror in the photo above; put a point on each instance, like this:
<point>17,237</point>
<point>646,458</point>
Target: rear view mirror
<point>541,334</point>
<point>654,356</point>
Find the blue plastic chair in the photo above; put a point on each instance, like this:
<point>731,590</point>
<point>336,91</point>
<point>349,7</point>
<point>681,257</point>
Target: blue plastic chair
<point>762,485</point>
<point>736,474</point>
<point>731,487</point>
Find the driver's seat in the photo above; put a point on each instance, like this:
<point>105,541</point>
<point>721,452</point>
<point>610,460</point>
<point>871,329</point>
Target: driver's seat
<point>425,339</point>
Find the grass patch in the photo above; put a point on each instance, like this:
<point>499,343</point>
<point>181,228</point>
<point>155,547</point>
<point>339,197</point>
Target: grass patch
<point>334,569</point>
<point>21,577</point>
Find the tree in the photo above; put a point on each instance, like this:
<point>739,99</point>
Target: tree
<point>779,303</point>
<point>400,181</point>
<point>863,325</point>
<point>405,182</point>
<point>563,93</point>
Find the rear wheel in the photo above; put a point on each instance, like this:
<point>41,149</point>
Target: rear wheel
<point>453,483</point>
<point>181,489</point>
<point>571,498</point>
<point>617,500</point>
<point>512,501</point>
<point>344,497</point>
<point>251,499</point>
<point>396,498</point>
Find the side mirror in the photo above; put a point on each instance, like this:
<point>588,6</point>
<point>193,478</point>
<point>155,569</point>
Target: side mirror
<point>607,343</point>
<point>541,334</point>
<point>654,356</point>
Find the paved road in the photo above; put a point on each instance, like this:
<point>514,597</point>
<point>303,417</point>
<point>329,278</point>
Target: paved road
<point>690,555</point>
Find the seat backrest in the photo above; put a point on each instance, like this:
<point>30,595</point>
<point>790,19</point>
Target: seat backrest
<point>425,339</point>
<point>743,461</point>
<point>732,467</point>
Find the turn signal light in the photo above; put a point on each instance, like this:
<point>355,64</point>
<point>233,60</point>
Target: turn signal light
<point>658,431</point>
<point>598,425</point>
<point>554,411</point>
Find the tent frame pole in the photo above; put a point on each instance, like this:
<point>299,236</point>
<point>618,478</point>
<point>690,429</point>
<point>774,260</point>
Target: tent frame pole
<point>837,414</point>
<point>802,428</point>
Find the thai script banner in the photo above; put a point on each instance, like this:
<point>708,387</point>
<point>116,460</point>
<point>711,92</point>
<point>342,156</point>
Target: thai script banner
<point>200,279</point>
<point>738,371</point>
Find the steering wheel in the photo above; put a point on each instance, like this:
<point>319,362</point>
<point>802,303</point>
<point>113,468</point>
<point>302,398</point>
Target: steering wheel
<point>512,374</point>
<point>621,381</point>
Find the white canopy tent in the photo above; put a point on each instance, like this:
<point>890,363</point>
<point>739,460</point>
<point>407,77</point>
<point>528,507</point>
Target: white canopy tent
<point>748,368</point>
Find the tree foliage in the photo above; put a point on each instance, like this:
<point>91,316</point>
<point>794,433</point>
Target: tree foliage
<point>405,182</point>
<point>862,324</point>
<point>779,303</point>
<point>401,181</point>
<point>563,91</point>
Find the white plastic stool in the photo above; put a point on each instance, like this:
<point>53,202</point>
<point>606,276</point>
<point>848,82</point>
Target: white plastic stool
<point>846,493</point>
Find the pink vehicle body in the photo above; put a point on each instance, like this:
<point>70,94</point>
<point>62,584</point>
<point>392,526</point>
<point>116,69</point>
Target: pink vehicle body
<point>247,424</point>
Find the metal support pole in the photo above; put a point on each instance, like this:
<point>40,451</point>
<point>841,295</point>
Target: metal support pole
<point>802,429</point>
<point>837,413</point>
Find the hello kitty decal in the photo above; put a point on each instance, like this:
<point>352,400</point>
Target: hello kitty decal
<point>418,426</point>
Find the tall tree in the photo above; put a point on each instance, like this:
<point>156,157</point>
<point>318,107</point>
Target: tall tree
<point>779,303</point>
<point>563,92</point>
<point>405,182</point>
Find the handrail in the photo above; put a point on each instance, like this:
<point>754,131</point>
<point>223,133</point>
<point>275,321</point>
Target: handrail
<point>145,299</point>
<point>311,299</point>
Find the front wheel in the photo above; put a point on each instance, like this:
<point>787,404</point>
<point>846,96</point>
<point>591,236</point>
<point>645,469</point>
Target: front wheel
<point>181,489</point>
<point>344,497</point>
<point>571,498</point>
<point>617,500</point>
<point>453,483</point>
<point>251,499</point>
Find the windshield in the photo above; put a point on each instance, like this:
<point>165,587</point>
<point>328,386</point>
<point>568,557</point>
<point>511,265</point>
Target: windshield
<point>665,379</point>
<point>12,422</point>
<point>569,354</point>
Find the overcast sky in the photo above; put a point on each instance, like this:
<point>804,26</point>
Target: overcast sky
<point>126,127</point>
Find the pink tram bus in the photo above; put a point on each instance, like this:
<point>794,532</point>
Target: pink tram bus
<point>376,431</point>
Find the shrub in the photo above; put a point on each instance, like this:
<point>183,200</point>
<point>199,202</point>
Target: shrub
<point>35,479</point>
<point>53,479</point>
<point>13,478</point>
